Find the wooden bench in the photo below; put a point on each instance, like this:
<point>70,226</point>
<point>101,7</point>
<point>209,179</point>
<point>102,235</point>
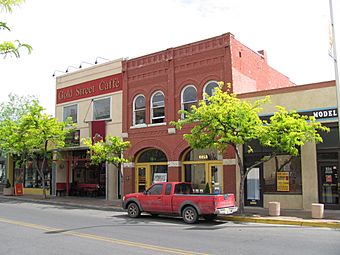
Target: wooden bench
<point>60,189</point>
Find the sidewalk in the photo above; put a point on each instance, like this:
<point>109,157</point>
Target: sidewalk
<point>252,214</point>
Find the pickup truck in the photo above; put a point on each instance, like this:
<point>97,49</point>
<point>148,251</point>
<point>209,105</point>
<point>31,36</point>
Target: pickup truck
<point>177,198</point>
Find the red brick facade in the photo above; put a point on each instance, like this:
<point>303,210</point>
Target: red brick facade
<point>221,58</point>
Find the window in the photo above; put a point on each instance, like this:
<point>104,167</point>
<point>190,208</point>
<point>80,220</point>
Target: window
<point>209,89</point>
<point>139,110</point>
<point>286,180</point>
<point>168,189</point>
<point>102,109</point>
<point>152,155</point>
<point>157,108</point>
<point>71,111</point>
<point>189,98</point>
<point>156,189</point>
<point>281,174</point>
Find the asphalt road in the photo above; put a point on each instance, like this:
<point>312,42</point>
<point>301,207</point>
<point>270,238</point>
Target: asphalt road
<point>27,228</point>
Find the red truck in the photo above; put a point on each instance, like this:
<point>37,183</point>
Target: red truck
<point>177,198</point>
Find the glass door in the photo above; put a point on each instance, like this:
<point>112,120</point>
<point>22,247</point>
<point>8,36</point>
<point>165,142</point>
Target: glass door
<point>215,178</point>
<point>329,184</point>
<point>142,177</point>
<point>253,192</point>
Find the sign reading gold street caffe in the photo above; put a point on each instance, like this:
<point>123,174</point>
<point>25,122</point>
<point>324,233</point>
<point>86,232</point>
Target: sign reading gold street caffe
<point>92,88</point>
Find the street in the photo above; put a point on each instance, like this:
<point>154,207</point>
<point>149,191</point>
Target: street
<point>28,228</point>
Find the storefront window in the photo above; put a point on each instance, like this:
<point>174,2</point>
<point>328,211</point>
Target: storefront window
<point>286,179</point>
<point>30,176</point>
<point>280,174</point>
<point>2,171</point>
<point>195,173</point>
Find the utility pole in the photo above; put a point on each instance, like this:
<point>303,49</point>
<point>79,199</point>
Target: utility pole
<point>334,56</point>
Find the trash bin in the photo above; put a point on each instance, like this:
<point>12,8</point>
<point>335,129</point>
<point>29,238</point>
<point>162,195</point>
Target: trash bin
<point>317,211</point>
<point>274,208</point>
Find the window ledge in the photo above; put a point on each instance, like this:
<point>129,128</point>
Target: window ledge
<point>139,126</point>
<point>148,125</point>
<point>157,124</point>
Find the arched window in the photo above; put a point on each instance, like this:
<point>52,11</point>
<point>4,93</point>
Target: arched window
<point>189,98</point>
<point>139,110</point>
<point>209,89</point>
<point>157,108</point>
<point>152,155</point>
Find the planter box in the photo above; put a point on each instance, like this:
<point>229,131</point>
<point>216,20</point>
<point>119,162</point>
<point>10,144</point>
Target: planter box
<point>8,191</point>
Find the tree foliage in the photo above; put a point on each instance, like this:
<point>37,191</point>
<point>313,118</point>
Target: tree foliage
<point>8,47</point>
<point>32,134</point>
<point>225,120</point>
<point>111,150</point>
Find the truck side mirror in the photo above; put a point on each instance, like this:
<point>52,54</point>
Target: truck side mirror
<point>145,192</point>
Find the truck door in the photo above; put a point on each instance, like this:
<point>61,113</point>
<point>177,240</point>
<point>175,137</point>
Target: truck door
<point>152,200</point>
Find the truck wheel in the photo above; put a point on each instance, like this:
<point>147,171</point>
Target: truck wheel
<point>133,210</point>
<point>190,215</point>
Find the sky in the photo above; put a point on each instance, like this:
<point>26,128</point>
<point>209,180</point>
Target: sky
<point>64,33</point>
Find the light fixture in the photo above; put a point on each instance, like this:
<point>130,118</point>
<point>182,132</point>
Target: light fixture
<point>96,62</point>
<point>56,71</point>
<point>70,67</point>
<point>84,62</point>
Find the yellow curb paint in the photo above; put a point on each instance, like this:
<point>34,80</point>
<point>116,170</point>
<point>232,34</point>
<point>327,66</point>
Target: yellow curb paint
<point>283,222</point>
<point>101,238</point>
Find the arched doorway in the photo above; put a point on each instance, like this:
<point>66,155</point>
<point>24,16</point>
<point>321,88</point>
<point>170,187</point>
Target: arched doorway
<point>204,169</point>
<point>151,166</point>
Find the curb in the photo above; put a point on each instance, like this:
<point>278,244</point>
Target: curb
<point>302,223</point>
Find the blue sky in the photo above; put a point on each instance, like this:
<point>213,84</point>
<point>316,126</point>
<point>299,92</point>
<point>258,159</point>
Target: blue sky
<point>64,33</point>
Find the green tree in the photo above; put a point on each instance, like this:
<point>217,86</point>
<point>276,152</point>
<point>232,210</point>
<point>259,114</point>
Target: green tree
<point>32,136</point>
<point>225,120</point>
<point>111,151</point>
<point>8,47</point>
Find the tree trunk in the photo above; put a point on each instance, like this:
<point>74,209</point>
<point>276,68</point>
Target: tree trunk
<point>242,177</point>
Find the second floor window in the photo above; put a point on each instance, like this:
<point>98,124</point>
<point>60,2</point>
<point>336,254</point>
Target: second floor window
<point>139,110</point>
<point>71,111</point>
<point>189,98</point>
<point>209,89</point>
<point>102,109</point>
<point>157,108</point>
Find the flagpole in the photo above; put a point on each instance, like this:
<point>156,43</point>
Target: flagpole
<point>334,56</point>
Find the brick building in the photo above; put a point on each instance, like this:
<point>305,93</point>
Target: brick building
<point>158,85</point>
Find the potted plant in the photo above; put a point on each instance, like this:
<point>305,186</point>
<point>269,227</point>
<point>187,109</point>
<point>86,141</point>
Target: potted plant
<point>8,189</point>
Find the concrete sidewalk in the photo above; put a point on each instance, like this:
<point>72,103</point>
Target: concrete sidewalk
<point>252,214</point>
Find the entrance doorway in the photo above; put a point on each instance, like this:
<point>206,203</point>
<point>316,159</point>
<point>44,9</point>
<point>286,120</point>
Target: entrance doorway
<point>253,193</point>
<point>329,184</point>
<point>151,167</point>
<point>203,169</point>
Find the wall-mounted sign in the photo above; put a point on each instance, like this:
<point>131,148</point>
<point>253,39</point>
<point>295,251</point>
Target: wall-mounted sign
<point>92,88</point>
<point>282,179</point>
<point>160,177</point>
<point>319,114</point>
